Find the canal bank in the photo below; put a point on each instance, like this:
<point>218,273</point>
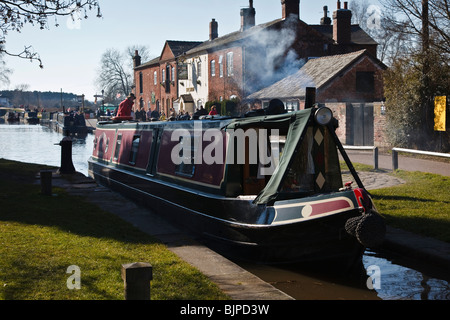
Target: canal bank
<point>234,280</point>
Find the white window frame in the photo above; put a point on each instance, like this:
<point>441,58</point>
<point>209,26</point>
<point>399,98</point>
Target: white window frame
<point>230,64</point>
<point>213,68</point>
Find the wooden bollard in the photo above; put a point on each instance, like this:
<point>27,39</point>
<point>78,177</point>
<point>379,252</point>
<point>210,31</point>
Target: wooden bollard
<point>137,277</point>
<point>46,182</point>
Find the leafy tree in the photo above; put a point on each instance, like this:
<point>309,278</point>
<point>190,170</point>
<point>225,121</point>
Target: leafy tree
<point>16,14</point>
<point>419,74</point>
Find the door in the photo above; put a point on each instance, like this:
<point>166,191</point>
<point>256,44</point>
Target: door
<point>362,124</point>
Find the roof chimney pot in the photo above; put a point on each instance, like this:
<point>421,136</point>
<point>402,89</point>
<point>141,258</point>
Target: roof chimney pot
<point>213,29</point>
<point>342,25</point>
<point>290,7</point>
<point>248,17</point>
<point>136,59</point>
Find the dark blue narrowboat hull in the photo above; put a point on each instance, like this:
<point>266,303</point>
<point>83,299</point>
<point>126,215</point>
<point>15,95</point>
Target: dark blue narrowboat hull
<point>237,228</point>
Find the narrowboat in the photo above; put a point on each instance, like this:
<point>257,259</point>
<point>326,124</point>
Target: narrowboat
<point>71,124</point>
<point>13,116</point>
<point>262,188</point>
<point>31,117</point>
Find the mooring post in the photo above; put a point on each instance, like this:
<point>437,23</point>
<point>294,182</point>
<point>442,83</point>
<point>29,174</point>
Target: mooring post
<point>66,156</point>
<point>46,182</point>
<point>137,277</point>
<point>375,158</point>
<point>394,160</point>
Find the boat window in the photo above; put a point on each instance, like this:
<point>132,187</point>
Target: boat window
<point>118,144</point>
<point>187,166</point>
<point>315,167</point>
<point>134,149</point>
<point>106,145</point>
<point>95,142</point>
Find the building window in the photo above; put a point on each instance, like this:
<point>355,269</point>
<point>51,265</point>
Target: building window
<point>199,69</point>
<point>163,75</point>
<point>291,106</point>
<point>221,66</point>
<point>155,78</point>
<point>213,68</point>
<point>230,65</point>
<point>173,74</point>
<point>365,82</point>
<point>141,83</point>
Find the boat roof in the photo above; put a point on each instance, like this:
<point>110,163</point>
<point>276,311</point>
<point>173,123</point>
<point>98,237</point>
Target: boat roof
<point>294,122</point>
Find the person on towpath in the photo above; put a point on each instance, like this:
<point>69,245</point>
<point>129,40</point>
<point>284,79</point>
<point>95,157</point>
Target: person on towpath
<point>126,106</point>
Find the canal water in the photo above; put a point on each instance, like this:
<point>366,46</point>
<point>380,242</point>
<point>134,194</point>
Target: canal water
<point>391,277</point>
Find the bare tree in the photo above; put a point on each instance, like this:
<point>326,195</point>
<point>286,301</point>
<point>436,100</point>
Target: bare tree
<point>377,23</point>
<point>4,70</point>
<point>116,71</point>
<point>407,18</point>
<point>15,14</point>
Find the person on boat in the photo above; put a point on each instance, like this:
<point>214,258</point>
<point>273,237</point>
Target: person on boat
<point>155,114</point>
<point>213,111</point>
<point>125,107</point>
<point>276,106</point>
<point>200,112</point>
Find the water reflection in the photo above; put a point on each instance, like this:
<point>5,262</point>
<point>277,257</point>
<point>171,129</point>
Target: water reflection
<point>396,278</point>
<point>40,144</point>
<point>398,281</point>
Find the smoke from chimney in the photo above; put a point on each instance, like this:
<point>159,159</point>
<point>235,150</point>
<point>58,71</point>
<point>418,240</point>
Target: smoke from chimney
<point>273,56</point>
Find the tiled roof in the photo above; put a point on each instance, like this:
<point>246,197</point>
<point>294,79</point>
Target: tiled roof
<point>180,47</point>
<point>314,73</point>
<point>359,36</point>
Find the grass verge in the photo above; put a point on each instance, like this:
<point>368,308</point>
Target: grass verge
<point>41,236</point>
<point>421,205</point>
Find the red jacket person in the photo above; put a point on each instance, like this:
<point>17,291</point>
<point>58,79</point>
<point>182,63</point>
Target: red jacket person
<point>126,106</point>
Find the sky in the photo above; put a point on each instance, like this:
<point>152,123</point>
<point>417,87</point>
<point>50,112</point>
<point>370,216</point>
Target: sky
<point>71,52</point>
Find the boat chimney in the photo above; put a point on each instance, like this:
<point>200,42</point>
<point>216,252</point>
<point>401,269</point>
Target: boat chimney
<point>310,97</point>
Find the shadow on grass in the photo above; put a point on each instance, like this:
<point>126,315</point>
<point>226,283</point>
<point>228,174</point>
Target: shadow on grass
<point>429,227</point>
<point>405,198</point>
<point>24,203</point>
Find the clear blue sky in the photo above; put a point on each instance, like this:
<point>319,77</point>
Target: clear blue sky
<point>71,53</point>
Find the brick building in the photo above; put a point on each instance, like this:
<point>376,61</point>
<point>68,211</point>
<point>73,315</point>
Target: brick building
<point>350,84</point>
<point>156,82</point>
<point>240,63</point>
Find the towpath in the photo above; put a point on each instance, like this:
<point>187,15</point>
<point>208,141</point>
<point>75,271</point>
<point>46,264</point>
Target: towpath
<point>404,162</point>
